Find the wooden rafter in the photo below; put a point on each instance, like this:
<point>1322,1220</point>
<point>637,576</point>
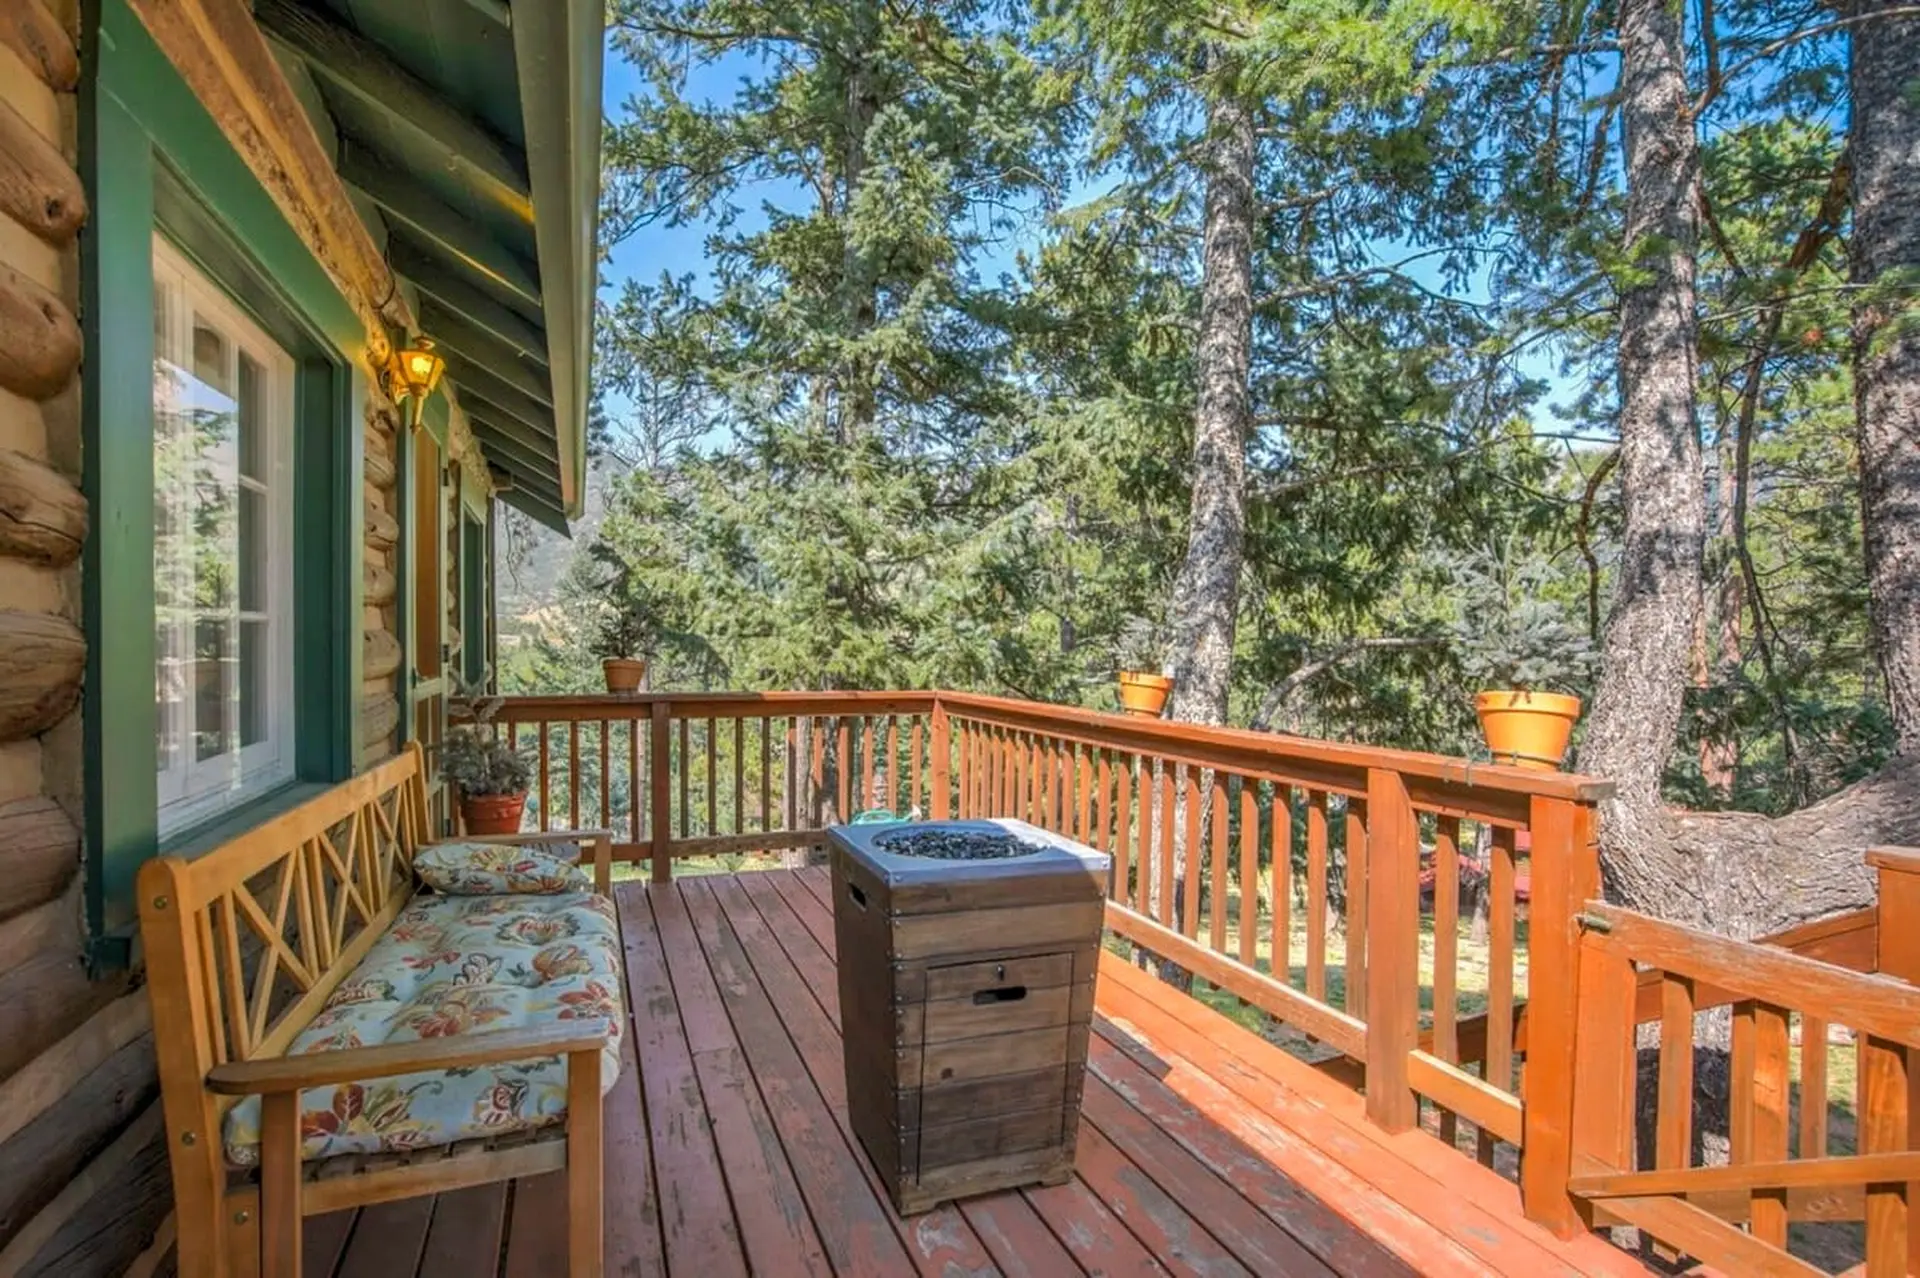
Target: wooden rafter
<point>357,66</point>
<point>478,382</point>
<point>452,234</point>
<point>455,333</point>
<point>434,280</point>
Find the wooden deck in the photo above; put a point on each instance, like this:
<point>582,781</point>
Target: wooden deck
<point>1204,1149</point>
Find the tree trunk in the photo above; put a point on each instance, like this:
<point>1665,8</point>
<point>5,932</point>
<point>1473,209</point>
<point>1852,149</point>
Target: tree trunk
<point>1206,594</point>
<point>1886,239</point>
<point>1648,641</point>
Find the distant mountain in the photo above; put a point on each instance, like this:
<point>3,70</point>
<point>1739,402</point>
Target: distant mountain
<point>534,560</point>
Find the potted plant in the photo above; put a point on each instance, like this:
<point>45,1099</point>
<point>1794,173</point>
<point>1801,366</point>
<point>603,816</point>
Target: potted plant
<point>492,778</point>
<point>1143,689</point>
<point>1521,647</point>
<point>622,640</point>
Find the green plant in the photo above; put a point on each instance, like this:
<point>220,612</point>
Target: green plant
<point>481,764</point>
<point>1510,632</point>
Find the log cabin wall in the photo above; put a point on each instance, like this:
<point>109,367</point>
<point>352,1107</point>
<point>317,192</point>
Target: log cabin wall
<point>381,651</point>
<point>82,1173</point>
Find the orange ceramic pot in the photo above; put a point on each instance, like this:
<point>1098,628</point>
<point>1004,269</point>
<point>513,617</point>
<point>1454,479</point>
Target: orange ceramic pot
<point>1143,693</point>
<point>492,813</point>
<point>624,674</point>
<point>1527,729</point>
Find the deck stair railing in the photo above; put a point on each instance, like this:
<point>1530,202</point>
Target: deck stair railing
<point>1322,884</point>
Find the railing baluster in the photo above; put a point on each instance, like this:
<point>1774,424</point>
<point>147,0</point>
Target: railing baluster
<point>1813,1086</point>
<point>739,775</point>
<point>915,795</point>
<point>893,765</point>
<point>1446,941</point>
<point>546,806</point>
<point>606,786</point>
<point>789,774</point>
<point>1280,847</point>
<point>817,777</point>
<point>684,767</point>
<point>1757,1117</point>
<point>1217,873</point>
<point>1249,870</point>
<point>868,798</point>
<point>1190,842</point>
<point>712,823</point>
<point>1166,866</point>
<point>844,740</point>
<point>1122,822</point>
<point>1100,836</point>
<point>1143,885</point>
<point>573,774</point>
<point>1390,971</point>
<point>1357,904</point>
<point>1500,940</point>
<point>636,796</point>
<point>766,774</point>
<point>1316,920</point>
<point>660,784</point>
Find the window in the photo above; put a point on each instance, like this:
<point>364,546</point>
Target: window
<point>223,412</point>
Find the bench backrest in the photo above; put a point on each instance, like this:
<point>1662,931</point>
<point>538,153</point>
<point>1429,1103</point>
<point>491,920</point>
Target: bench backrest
<point>244,944</point>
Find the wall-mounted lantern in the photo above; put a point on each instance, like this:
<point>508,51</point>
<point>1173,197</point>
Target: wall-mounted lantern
<point>415,375</point>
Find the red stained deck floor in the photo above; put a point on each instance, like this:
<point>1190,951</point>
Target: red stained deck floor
<point>1203,1149</point>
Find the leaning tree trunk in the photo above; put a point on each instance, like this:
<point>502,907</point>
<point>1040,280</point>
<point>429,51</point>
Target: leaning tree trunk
<point>1646,648</point>
<point>1886,259</point>
<point>1206,594</point>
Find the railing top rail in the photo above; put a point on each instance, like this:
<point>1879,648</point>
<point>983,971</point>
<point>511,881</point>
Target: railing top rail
<point>1866,1002</point>
<point>627,705</point>
<point>1265,750</point>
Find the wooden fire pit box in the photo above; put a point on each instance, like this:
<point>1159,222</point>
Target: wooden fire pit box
<point>966,986</point>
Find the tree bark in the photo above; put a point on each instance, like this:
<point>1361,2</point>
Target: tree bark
<point>1646,649</point>
<point>1886,240</point>
<point>1206,594</point>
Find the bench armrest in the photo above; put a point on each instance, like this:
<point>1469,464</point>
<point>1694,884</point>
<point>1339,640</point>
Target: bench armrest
<point>596,847</point>
<point>274,1074</point>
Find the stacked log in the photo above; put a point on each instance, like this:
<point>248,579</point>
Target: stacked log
<point>381,653</point>
<point>78,1154</point>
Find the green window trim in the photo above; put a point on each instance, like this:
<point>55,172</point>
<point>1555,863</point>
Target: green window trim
<point>151,156</point>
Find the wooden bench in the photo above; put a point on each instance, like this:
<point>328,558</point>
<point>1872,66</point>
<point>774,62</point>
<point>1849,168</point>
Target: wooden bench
<point>244,946</point>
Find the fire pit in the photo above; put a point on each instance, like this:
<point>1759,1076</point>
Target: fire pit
<point>967,955</point>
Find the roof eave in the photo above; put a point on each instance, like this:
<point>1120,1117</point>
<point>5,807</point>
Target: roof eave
<point>560,43</point>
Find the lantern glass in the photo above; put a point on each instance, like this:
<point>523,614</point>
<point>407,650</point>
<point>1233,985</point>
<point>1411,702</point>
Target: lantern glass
<point>420,368</point>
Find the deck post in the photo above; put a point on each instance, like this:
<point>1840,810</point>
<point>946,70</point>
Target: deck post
<point>1898,954</point>
<point>1565,875</point>
<point>940,746</point>
<point>660,782</point>
<point>1392,941</point>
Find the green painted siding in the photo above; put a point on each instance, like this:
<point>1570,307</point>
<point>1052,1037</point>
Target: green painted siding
<point>151,155</point>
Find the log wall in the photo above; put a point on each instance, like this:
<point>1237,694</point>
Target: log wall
<point>382,671</point>
<point>78,1092</point>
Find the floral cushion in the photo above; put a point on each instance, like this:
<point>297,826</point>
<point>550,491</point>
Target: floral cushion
<point>456,965</point>
<point>493,869</point>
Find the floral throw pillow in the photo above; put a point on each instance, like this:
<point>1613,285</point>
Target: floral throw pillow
<point>496,869</point>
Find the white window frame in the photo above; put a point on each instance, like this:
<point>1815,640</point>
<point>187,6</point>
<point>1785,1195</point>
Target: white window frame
<point>192,791</point>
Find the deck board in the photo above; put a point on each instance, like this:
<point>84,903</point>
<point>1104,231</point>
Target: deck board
<point>1203,1148</point>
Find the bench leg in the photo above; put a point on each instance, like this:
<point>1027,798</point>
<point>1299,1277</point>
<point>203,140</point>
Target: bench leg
<point>280,1185</point>
<point>585,1141</point>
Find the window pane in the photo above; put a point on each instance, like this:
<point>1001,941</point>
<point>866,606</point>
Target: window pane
<point>212,656</point>
<point>169,694</point>
<point>215,543</point>
<point>253,549</point>
<point>254,676</point>
<point>252,454</point>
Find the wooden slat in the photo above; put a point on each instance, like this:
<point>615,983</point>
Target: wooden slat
<point>1317,895</point>
<point>1344,1032</point>
<point>660,786</point>
<point>636,796</point>
<point>546,776</point>
<point>1218,871</point>
<point>712,823</point>
<point>1726,1248</point>
<point>1191,849</point>
<point>843,740</point>
<point>1799,1173</point>
<point>1358,936</point>
<point>1120,767</point>
<point>683,766</point>
<point>1459,1092</point>
<point>1498,1067</point>
<point>573,775</point>
<point>916,794</point>
<point>739,775</point>
<point>766,774</point>
<point>1249,871</point>
<point>866,799</point>
<point>700,1235</point>
<point>1813,1086</point>
<point>1280,856</point>
<point>1674,1143</point>
<point>1883,1118</point>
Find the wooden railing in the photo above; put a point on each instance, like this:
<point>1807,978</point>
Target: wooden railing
<point>1235,854</point>
<point>719,774</point>
<point>1781,1163</point>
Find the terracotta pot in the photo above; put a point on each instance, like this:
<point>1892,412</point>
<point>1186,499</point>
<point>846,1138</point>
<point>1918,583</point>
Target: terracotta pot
<point>624,674</point>
<point>1144,693</point>
<point>1527,729</point>
<point>492,813</point>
